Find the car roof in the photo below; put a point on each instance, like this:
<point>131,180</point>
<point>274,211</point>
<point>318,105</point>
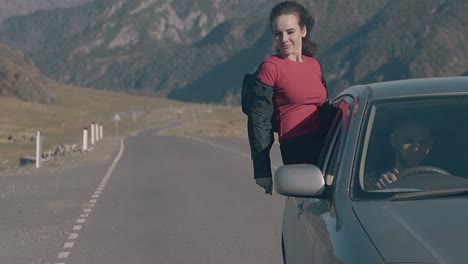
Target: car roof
<point>414,88</point>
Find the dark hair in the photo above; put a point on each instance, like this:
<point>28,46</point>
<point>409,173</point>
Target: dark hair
<point>411,119</point>
<point>309,48</point>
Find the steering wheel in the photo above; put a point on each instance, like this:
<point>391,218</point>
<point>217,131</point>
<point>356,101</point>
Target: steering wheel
<point>422,170</point>
<point>420,177</point>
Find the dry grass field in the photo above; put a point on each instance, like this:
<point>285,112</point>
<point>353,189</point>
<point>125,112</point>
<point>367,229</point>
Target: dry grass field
<point>75,108</point>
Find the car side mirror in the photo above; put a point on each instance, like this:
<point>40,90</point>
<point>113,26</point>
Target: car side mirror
<point>299,180</point>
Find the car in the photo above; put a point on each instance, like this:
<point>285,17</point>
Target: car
<point>414,214</point>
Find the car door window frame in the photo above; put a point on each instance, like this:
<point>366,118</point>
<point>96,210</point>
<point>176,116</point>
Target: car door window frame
<point>334,143</point>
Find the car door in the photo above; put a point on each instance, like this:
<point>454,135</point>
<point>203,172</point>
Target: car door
<point>304,231</point>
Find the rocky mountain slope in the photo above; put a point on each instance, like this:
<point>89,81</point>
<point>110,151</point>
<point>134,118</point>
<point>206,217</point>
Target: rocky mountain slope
<point>406,39</point>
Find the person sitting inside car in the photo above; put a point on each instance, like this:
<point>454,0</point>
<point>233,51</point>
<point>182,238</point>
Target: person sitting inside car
<point>412,143</point>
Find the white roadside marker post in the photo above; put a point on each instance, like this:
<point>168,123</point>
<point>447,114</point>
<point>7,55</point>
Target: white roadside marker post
<point>116,119</point>
<point>96,129</point>
<point>85,139</point>
<point>93,137</point>
<point>38,149</point>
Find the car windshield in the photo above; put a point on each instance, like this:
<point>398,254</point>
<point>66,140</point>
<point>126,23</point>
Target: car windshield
<point>415,145</point>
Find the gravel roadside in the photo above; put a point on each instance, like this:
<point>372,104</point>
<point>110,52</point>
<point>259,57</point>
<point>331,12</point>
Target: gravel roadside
<point>101,151</point>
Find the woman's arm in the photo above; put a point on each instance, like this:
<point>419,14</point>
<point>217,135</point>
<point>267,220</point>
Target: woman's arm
<point>260,128</point>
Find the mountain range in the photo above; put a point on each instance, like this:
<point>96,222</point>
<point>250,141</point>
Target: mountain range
<point>198,50</point>
<point>23,7</point>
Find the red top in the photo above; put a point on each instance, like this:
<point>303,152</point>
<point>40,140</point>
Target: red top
<point>298,93</point>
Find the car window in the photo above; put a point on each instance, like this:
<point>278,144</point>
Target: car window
<point>415,144</point>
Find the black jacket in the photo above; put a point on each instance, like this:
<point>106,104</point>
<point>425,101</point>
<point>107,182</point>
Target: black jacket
<point>257,104</point>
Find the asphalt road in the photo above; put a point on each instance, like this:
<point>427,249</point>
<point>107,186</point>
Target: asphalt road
<point>158,199</point>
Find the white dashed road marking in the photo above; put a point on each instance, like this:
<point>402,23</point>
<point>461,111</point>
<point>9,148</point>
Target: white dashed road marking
<point>68,245</point>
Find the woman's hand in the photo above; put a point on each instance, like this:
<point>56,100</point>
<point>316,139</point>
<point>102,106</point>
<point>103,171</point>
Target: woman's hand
<point>387,178</point>
<point>266,183</point>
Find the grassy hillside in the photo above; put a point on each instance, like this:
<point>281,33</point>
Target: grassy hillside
<point>76,107</point>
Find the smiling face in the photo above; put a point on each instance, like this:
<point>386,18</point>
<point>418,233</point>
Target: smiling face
<point>288,36</point>
<point>412,143</point>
